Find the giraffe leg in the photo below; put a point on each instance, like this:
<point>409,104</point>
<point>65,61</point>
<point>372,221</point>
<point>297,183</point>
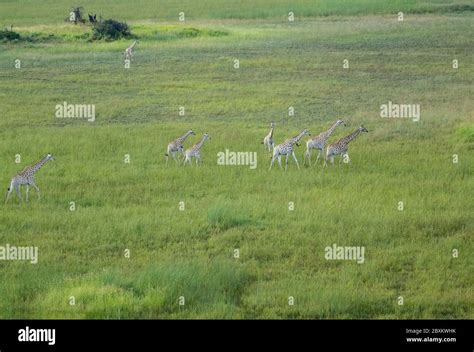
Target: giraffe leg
<point>326,157</point>
<point>198,158</point>
<point>317,159</point>
<point>307,155</point>
<point>286,162</point>
<point>173,154</point>
<point>17,188</point>
<point>279,161</point>
<point>273,160</point>
<point>27,192</point>
<point>296,160</point>
<point>37,190</point>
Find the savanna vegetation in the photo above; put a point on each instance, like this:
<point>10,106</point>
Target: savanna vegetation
<point>129,251</point>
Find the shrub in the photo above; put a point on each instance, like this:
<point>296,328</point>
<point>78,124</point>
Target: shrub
<point>111,30</point>
<point>9,36</point>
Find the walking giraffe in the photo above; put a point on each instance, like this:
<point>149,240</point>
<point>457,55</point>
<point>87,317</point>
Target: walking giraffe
<point>195,150</point>
<point>26,177</point>
<point>286,148</point>
<point>129,51</point>
<point>341,146</point>
<point>268,140</point>
<point>319,142</point>
<point>177,146</point>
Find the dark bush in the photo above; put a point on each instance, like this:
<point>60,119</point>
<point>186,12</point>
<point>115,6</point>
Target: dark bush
<point>110,30</point>
<point>9,36</point>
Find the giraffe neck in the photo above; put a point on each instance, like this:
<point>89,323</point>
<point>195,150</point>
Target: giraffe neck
<point>201,142</point>
<point>351,137</point>
<point>297,138</point>
<point>271,131</point>
<point>34,168</point>
<point>183,138</point>
<point>330,131</point>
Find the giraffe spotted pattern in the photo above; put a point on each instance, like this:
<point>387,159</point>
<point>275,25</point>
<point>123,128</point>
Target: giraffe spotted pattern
<point>319,142</point>
<point>287,148</point>
<point>341,146</point>
<point>177,146</point>
<point>26,177</point>
<point>195,151</point>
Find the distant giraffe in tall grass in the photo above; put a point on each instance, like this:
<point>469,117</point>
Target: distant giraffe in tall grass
<point>26,177</point>
<point>129,52</point>
<point>341,146</point>
<point>268,140</point>
<point>195,151</point>
<point>177,145</point>
<point>319,142</point>
<point>287,148</point>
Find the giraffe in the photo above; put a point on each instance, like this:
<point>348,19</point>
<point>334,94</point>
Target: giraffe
<point>286,148</point>
<point>195,150</point>
<point>268,140</point>
<point>177,146</point>
<point>319,142</point>
<point>26,177</point>
<point>129,51</point>
<point>340,147</point>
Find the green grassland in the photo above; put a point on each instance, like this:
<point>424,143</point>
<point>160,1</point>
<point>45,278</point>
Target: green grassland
<point>48,11</point>
<point>190,253</point>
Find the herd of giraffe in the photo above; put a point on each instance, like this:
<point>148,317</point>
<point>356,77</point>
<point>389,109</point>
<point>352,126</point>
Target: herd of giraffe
<point>318,142</point>
<point>176,147</point>
<point>284,149</point>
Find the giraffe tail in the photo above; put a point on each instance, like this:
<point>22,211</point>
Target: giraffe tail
<point>11,186</point>
<point>8,192</point>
